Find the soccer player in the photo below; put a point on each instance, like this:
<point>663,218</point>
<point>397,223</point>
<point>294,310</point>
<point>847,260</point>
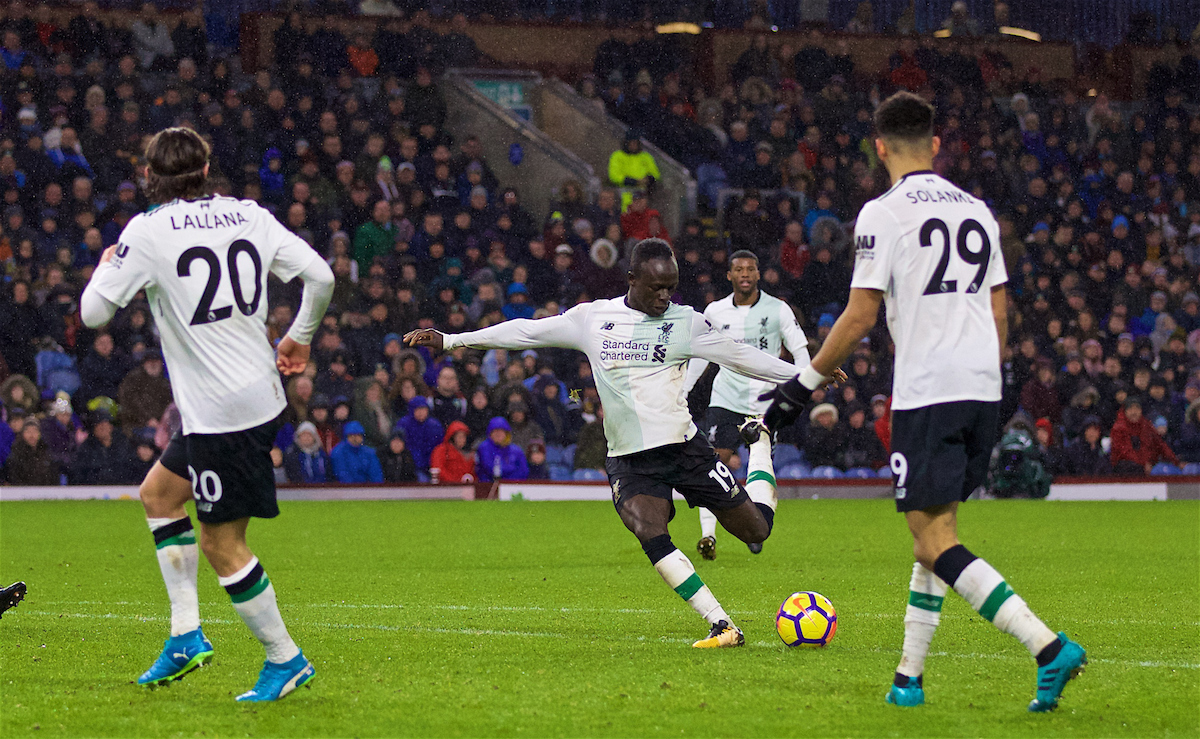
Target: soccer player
<point>203,262</point>
<point>748,316</point>
<point>931,252</point>
<point>639,346</point>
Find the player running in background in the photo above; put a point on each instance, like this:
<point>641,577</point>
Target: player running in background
<point>748,316</point>
<point>639,346</point>
<point>203,262</point>
<point>932,252</point>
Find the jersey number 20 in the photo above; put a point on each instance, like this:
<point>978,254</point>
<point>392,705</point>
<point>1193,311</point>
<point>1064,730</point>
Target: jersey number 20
<point>205,312</point>
<point>938,284</point>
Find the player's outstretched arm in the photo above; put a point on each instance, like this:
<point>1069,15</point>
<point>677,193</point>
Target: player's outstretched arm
<point>565,331</point>
<point>710,345</point>
<point>788,400</point>
<point>293,351</point>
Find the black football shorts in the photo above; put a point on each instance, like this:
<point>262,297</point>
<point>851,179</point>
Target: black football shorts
<point>231,473</point>
<point>940,452</point>
<point>690,467</point>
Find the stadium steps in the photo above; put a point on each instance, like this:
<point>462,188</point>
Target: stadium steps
<point>518,153</point>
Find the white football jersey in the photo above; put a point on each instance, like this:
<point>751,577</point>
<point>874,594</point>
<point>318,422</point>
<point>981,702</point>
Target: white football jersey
<point>203,264</point>
<point>934,251</point>
<point>769,324</point>
<point>639,363</point>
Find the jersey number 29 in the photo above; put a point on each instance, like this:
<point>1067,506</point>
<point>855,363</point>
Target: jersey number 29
<point>205,312</point>
<point>938,284</point>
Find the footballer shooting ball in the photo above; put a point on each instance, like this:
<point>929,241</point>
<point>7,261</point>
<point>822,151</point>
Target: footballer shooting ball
<point>806,620</point>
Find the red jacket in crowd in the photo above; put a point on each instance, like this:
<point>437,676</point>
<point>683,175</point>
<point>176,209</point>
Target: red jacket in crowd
<point>1138,442</point>
<point>448,463</point>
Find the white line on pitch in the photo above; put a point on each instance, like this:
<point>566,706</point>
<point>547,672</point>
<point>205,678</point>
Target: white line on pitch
<point>583,609</point>
<point>644,639</point>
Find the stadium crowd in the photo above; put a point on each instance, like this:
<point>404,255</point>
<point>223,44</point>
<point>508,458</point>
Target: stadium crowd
<point>345,140</point>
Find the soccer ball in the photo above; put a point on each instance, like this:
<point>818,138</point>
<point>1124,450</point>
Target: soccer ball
<point>806,620</point>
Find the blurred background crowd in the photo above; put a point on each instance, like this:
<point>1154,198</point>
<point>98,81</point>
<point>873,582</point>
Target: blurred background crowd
<point>344,138</point>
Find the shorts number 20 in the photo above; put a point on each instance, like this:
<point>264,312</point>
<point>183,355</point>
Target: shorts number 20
<point>206,485</point>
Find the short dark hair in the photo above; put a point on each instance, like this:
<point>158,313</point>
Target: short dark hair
<point>175,159</point>
<point>743,254</point>
<point>904,116</point>
<point>648,249</point>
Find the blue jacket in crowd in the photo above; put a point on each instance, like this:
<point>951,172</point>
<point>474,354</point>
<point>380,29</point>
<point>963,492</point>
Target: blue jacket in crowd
<point>355,463</point>
<point>491,458</point>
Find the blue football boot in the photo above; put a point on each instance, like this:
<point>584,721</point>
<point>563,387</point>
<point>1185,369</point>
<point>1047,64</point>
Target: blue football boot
<point>277,680</point>
<point>909,695</point>
<point>180,655</point>
<point>1054,677</point>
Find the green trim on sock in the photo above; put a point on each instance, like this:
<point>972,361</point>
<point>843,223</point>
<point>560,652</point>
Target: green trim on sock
<point>254,590</point>
<point>995,600</point>
<point>925,601</point>
<point>180,540</point>
<point>760,475</point>
<point>690,586</point>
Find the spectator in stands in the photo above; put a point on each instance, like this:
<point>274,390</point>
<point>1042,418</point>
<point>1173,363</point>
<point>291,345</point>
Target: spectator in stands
<point>306,461</point>
<point>105,457</point>
<point>452,461</point>
<point>535,453</point>
<point>631,167</point>
<point>152,40</point>
<point>960,22</point>
<point>825,441</point>
<point>1136,445</point>
<point>863,448</point>
<point>62,431</point>
<point>421,431</point>
<point>352,461</point>
<point>29,462</point>
<point>397,461</point>
<point>498,457</point>
<point>144,393</point>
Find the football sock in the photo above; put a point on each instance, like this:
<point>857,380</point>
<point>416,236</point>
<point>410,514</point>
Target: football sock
<point>677,571</point>
<point>926,591</point>
<point>760,473</point>
<point>984,588</point>
<point>708,523</point>
<point>253,597</point>
<point>178,558</point>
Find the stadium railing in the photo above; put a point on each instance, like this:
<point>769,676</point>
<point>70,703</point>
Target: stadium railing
<point>518,152</point>
<point>594,135</point>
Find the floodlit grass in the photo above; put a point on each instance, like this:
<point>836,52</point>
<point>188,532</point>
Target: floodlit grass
<point>545,619</point>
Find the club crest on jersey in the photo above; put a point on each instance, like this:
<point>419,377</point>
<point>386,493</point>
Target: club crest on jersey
<point>763,322</point>
<point>664,333</point>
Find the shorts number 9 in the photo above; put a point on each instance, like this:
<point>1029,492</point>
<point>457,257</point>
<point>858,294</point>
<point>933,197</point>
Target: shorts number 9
<point>899,467</point>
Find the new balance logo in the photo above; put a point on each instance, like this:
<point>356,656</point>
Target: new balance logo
<point>865,242</point>
<point>607,327</point>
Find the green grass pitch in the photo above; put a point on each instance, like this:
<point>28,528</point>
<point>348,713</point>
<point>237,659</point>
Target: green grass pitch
<point>544,619</point>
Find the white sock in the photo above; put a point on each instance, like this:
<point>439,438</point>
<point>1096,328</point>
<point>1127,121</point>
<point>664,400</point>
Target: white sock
<point>253,597</point>
<point>708,523</point>
<point>988,594</point>
<point>760,473</point>
<point>677,570</point>
<point>926,592</point>
<point>178,559</point>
